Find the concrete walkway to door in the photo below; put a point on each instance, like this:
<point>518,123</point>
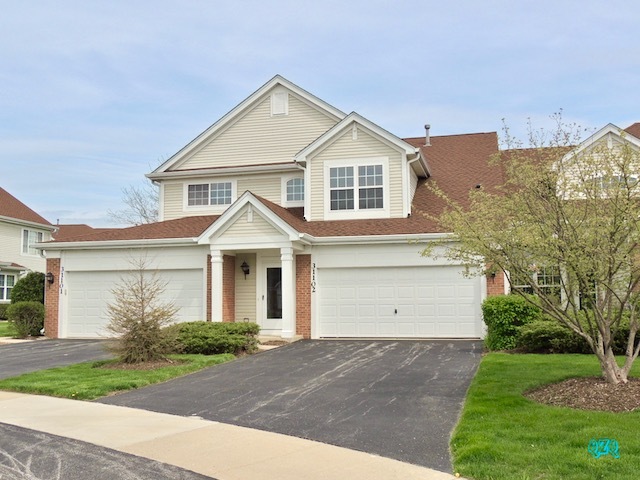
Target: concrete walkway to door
<point>397,399</point>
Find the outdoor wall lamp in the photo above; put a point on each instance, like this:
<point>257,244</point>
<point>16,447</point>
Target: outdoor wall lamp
<point>50,277</point>
<point>245,269</point>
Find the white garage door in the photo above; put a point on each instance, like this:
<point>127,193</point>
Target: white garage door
<point>88,294</point>
<point>398,302</point>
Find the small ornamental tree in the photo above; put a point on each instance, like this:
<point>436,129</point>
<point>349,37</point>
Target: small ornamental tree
<point>29,288</point>
<point>138,314</point>
<point>575,209</point>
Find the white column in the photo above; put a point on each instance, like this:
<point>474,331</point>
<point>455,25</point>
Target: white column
<point>288,293</point>
<point>216,285</point>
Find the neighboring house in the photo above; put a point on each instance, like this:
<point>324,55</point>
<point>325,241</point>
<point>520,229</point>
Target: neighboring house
<point>20,229</point>
<point>295,215</point>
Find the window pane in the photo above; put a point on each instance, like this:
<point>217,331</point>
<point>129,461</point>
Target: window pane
<point>198,194</point>
<point>295,190</point>
<point>221,193</point>
<point>342,200</point>
<point>370,175</point>
<point>371,198</point>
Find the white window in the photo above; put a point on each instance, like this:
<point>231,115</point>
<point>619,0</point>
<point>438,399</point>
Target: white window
<point>547,278</point>
<point>6,284</point>
<point>368,194</point>
<point>295,190</point>
<point>29,237</point>
<point>203,194</point>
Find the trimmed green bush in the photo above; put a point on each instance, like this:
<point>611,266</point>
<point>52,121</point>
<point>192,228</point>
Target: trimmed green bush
<point>29,288</point>
<point>504,315</point>
<point>27,318</point>
<point>211,338</point>
<point>549,336</point>
<point>3,311</point>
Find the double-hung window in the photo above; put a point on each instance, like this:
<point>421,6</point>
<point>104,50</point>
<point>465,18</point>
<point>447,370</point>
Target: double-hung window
<point>547,278</point>
<point>29,237</point>
<point>203,194</point>
<point>295,190</point>
<point>7,282</point>
<point>357,187</point>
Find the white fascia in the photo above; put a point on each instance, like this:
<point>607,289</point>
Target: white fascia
<point>224,171</point>
<point>27,224</point>
<point>105,244</point>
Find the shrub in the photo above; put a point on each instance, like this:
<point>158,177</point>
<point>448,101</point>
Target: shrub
<point>504,315</point>
<point>3,311</point>
<point>137,315</point>
<point>27,318</point>
<point>549,336</point>
<point>29,288</point>
<point>210,338</point>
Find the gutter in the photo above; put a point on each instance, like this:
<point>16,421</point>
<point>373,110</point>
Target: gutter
<point>375,239</point>
<point>219,172</point>
<point>106,244</point>
<point>17,221</point>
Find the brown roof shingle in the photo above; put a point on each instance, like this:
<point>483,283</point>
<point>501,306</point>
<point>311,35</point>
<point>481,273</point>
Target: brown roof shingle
<point>634,129</point>
<point>11,207</point>
<point>186,227</point>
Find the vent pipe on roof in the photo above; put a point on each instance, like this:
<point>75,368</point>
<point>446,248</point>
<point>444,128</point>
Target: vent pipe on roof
<point>427,138</point>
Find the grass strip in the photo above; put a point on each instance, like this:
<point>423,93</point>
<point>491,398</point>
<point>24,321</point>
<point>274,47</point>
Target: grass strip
<point>88,381</point>
<point>503,435</point>
<point>6,329</point>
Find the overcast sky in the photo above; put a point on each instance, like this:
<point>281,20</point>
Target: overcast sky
<point>94,94</point>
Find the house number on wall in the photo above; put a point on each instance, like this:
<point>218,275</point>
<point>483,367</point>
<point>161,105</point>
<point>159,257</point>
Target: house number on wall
<point>313,278</point>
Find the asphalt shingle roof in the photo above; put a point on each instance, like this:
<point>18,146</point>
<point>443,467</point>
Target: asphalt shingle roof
<point>11,207</point>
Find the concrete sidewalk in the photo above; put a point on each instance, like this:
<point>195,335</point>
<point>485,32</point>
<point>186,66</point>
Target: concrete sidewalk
<point>221,451</point>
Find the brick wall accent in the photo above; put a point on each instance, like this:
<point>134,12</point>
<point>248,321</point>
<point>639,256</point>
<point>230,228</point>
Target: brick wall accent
<point>52,299</point>
<point>495,285</point>
<point>303,295</point>
<point>208,319</point>
<point>228,288</point>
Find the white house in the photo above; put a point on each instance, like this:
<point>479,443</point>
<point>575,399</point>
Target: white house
<point>295,215</point>
<point>20,229</point>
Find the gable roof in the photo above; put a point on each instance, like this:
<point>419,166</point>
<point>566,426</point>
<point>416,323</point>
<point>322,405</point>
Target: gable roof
<point>634,129</point>
<point>355,119</point>
<point>238,111</point>
<point>11,207</point>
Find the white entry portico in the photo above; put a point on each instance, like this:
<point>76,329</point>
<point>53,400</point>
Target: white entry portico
<point>250,229</point>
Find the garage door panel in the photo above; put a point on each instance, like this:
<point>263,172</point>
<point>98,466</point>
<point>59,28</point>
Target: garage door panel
<point>403,302</point>
<point>89,293</point>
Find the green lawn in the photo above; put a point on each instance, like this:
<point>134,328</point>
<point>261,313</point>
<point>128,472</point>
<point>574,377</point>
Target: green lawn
<point>6,330</point>
<point>87,381</point>
<point>503,435</point>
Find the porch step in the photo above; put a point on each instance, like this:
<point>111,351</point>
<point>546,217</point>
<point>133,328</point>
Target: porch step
<point>267,342</point>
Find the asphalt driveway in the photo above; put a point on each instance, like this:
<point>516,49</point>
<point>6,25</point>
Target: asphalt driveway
<point>19,358</point>
<point>398,399</point>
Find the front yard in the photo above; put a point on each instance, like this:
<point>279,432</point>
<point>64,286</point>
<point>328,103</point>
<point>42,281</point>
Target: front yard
<point>503,435</point>
<point>90,380</point>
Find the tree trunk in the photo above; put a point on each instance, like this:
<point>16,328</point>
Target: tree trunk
<point>611,372</point>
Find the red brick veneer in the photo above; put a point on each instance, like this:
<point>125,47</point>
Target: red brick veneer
<point>303,295</point>
<point>52,299</point>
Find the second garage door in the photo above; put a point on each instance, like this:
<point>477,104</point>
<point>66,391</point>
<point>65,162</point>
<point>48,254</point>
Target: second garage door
<point>428,302</point>
<point>90,293</point>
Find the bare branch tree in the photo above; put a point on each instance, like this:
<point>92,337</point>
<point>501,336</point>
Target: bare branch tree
<point>141,205</point>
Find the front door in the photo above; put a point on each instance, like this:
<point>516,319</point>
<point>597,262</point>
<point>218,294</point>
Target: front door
<point>272,299</point>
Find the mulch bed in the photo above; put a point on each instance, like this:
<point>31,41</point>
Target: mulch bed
<point>590,393</point>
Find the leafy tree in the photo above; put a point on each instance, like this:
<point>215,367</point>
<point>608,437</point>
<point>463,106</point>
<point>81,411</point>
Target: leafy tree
<point>141,205</point>
<point>575,209</point>
<point>138,314</point>
<point>29,288</point>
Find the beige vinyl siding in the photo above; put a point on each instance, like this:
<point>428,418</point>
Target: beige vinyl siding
<point>243,228</point>
<point>11,247</point>
<point>345,148</point>
<point>259,138</point>
<point>172,202</point>
<point>246,288</point>
<point>266,186</point>
<point>413,184</point>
